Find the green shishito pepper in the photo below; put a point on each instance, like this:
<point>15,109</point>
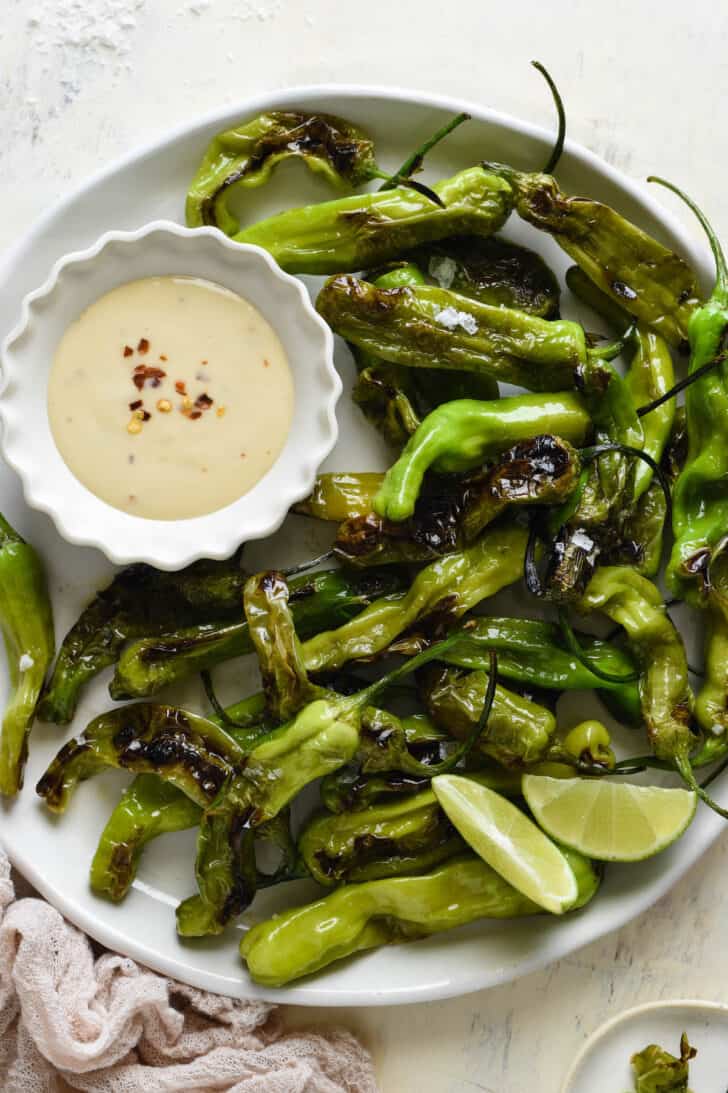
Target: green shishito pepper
<point>245,157</point>
<point>407,836</point>
<point>446,588</point>
<point>635,604</point>
<point>366,230</point>
<point>642,276</point>
<point>460,435</point>
<point>657,1071</point>
<point>394,398</point>
<point>26,619</point>
<point>423,326</point>
<point>494,271</point>
<point>148,808</point>
<point>139,602</point>
<point>318,601</point>
<point>357,917</point>
<point>533,653</point>
<point>541,471</point>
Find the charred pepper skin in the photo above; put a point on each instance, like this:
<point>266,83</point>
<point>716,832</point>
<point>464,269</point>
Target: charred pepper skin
<point>394,399</point>
<point>438,595</point>
<point>318,601</point>
<point>643,277</point>
<point>367,230</point>
<point>450,515</point>
<point>192,752</point>
<point>494,271</point>
<point>139,602</point>
<point>366,916</point>
<point>460,435</point>
<point>245,157</point>
<point>408,836</point>
<point>423,326</point>
<point>26,619</point>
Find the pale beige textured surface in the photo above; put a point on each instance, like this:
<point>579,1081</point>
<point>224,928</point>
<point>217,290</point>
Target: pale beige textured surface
<point>645,83</point>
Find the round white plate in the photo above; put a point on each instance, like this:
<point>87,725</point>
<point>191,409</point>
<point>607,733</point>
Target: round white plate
<point>603,1065</point>
<point>55,853</point>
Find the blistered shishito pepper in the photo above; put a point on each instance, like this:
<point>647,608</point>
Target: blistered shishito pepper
<point>439,594</point>
<point>519,731</point>
<point>139,602</point>
<point>341,495</point>
<point>533,654</point>
<point>26,619</point>
<point>349,790</point>
<point>366,230</point>
<point>244,157</point>
<point>394,398</point>
<point>636,605</point>
<point>408,836</point>
<point>541,471</point>
<point>650,375</point>
<point>321,738</point>
<point>148,808</point>
<point>493,271</point>
<point>272,630</point>
<point>357,917</point>
<point>318,601</point>
<point>645,278</point>
<point>424,326</point>
<point>191,752</point>
<point>461,435</point>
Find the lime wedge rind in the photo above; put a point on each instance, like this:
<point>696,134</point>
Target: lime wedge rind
<point>608,820</point>
<point>509,842</point>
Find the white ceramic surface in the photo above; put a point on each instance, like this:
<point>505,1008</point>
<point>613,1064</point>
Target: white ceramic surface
<point>75,282</point>
<point>603,1064</point>
<point>55,854</point>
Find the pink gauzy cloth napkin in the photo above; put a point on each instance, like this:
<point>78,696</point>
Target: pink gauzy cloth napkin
<point>70,1020</point>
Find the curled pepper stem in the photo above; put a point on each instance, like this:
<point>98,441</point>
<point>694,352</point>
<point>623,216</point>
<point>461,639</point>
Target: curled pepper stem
<point>681,385</point>
<point>293,570</point>
<point>574,647</point>
<point>685,770</point>
<point>218,708</point>
<point>556,151</point>
<point>721,267</point>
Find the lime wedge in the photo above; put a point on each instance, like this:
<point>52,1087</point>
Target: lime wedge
<point>508,841</point>
<point>609,820</point>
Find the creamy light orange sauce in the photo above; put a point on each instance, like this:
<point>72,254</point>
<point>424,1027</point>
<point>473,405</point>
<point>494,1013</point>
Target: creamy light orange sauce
<point>170,397</point>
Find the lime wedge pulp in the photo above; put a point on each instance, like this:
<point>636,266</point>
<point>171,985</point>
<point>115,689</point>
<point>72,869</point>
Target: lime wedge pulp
<point>508,841</point>
<point>609,820</point>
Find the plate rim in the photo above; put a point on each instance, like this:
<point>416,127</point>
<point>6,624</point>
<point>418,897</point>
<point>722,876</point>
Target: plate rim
<point>310,994</point>
<point>604,1030</point>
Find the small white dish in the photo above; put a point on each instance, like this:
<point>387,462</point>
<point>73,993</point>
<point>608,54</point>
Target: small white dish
<point>75,282</point>
<point>603,1064</point>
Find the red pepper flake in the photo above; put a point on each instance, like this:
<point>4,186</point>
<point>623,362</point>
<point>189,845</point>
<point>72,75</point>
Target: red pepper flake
<point>135,404</point>
<point>266,363</point>
<point>203,401</point>
<point>144,372</point>
<point>143,346</point>
<point>194,414</point>
<point>180,387</point>
<point>145,415</point>
<point>128,350</point>
<point>162,357</point>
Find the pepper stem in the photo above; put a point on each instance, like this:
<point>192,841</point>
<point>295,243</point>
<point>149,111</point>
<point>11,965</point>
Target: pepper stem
<point>721,267</point>
<point>553,160</point>
<point>685,770</point>
<point>414,161</point>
